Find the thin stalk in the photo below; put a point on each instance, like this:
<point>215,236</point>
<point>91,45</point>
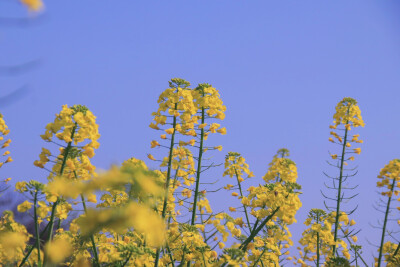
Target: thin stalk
<point>255,232</point>
<point>241,195</point>
<point>384,224</point>
<point>171,148</point>
<point>397,250</point>
<point>359,255</point>
<point>196,192</point>
<point>127,259</point>
<point>53,210</point>
<point>96,257</point>
<point>340,188</point>
<point>59,224</point>
<point>32,247</point>
<point>259,257</point>
<point>355,256</point>
<point>37,228</point>
<point>67,149</point>
<point>204,260</point>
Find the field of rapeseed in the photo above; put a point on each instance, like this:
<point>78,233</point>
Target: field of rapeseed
<point>136,220</point>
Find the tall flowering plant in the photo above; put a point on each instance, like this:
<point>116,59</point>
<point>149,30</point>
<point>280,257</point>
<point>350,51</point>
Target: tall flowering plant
<point>346,117</point>
<point>389,183</point>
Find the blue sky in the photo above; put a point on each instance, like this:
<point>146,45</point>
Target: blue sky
<point>280,66</point>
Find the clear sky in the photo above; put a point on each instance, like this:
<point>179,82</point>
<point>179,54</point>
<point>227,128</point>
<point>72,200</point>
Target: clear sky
<point>280,66</point>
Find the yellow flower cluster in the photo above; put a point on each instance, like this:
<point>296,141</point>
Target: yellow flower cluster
<point>318,238</point>
<point>77,127</point>
<point>391,259</point>
<point>207,97</point>
<point>235,166</point>
<point>4,131</point>
<point>390,178</point>
<point>348,114</point>
<point>75,124</point>
<point>13,239</point>
<point>281,169</point>
<point>176,101</point>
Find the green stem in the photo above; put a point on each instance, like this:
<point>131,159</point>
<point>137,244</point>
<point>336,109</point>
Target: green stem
<point>359,255</point>
<point>204,260</point>
<point>37,228</point>
<point>397,250</point>
<point>340,189</point>
<point>171,149</point>
<point>66,152</point>
<point>241,195</point>
<point>384,224</point>
<point>53,210</point>
<point>96,257</point>
<point>257,230</point>
<point>32,247</point>
<point>259,258</point>
<point>127,259</point>
<point>196,192</point>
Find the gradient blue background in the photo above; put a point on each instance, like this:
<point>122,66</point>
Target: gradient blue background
<point>280,66</point>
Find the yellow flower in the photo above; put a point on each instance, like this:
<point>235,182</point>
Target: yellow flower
<point>170,131</point>
<point>12,243</point>
<point>24,206</point>
<point>334,156</point>
<point>222,131</point>
<point>58,250</point>
<point>232,209</point>
<point>201,126</point>
<point>7,180</point>
<point>21,186</point>
<point>154,126</point>
<point>352,222</point>
<point>219,148</point>
<point>34,5</point>
<point>357,150</point>
<point>9,159</point>
<point>89,151</point>
<point>92,198</point>
<point>150,156</point>
<point>163,136</point>
<point>154,144</point>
